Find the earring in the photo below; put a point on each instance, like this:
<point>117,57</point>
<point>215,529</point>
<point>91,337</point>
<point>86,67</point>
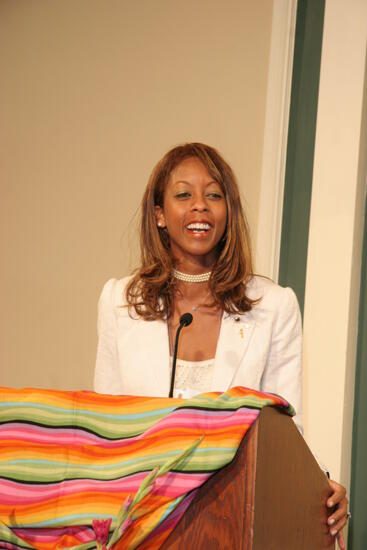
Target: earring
<point>159,224</point>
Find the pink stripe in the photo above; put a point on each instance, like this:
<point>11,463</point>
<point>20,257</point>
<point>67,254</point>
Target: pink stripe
<point>173,483</point>
<point>201,420</point>
<point>83,534</point>
<point>37,433</point>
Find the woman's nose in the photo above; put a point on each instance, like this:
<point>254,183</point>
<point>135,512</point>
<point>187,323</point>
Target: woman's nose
<point>199,203</point>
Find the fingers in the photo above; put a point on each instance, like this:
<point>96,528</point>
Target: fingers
<point>340,539</point>
<point>338,518</point>
<point>339,513</point>
<point>338,493</point>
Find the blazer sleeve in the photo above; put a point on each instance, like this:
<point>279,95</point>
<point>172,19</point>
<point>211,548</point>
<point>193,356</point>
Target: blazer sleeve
<point>283,371</point>
<point>107,377</point>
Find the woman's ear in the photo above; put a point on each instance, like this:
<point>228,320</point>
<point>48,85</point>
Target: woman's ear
<point>159,216</point>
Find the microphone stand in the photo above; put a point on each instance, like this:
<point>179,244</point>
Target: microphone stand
<point>185,320</point>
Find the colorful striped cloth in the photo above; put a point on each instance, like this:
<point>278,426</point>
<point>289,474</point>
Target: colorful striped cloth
<point>67,458</point>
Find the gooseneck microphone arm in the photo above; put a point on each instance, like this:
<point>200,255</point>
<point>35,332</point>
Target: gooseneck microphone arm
<point>185,320</point>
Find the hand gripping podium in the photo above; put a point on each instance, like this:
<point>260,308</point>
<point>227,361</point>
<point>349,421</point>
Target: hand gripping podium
<point>272,496</point>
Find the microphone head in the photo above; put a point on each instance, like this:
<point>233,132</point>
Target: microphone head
<point>186,319</point>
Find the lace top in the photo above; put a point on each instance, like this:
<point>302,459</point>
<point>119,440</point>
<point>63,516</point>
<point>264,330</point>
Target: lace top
<point>192,377</point>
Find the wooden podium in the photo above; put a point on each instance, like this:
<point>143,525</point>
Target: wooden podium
<point>270,497</point>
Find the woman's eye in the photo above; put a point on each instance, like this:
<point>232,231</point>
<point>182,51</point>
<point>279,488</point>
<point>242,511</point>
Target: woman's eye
<point>182,195</point>
<point>216,196</point>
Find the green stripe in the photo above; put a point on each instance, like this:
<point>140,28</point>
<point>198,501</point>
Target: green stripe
<point>301,144</point>
<point>43,471</point>
<point>6,535</point>
<point>113,428</point>
<point>358,495</point>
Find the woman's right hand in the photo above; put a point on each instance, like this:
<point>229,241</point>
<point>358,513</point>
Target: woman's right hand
<point>338,519</point>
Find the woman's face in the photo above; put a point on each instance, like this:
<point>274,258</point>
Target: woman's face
<point>194,213</point>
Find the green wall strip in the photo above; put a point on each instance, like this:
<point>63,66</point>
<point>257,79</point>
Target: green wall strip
<point>358,497</point>
<point>301,144</point>
<point>295,230</point>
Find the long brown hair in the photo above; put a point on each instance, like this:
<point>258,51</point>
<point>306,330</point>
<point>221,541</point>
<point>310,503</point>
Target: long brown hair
<point>151,290</point>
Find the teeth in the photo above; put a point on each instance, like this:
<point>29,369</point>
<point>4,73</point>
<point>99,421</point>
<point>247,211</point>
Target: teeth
<point>202,226</point>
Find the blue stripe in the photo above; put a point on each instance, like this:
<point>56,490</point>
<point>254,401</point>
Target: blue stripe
<point>115,464</point>
<point>171,507</point>
<point>90,467</point>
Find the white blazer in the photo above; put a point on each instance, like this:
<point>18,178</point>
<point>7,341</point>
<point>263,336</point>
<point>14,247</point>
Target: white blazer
<point>260,349</point>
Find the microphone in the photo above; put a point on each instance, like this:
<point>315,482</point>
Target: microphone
<point>185,321</point>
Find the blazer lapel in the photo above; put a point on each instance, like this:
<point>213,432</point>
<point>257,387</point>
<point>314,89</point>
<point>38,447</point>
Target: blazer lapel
<point>144,354</point>
<point>234,338</point>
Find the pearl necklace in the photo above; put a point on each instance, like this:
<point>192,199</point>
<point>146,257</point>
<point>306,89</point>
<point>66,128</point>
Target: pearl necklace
<point>188,278</point>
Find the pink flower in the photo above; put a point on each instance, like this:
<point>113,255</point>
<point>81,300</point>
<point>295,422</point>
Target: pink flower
<point>101,527</point>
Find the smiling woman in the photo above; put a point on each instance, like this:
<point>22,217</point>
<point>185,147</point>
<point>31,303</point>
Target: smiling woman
<point>194,213</point>
<point>191,184</point>
<point>196,257</point>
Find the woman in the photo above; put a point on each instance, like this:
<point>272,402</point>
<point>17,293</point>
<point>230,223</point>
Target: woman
<point>196,257</point>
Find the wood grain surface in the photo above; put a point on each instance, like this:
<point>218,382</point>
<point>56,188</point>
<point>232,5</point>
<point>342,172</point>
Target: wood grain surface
<point>216,518</point>
<point>270,497</point>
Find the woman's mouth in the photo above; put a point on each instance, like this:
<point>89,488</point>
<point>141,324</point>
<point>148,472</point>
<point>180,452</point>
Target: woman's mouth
<point>198,228</point>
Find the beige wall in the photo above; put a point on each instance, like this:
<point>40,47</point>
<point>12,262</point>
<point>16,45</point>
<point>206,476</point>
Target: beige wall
<point>92,94</point>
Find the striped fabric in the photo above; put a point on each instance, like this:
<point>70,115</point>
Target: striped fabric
<point>67,458</point>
